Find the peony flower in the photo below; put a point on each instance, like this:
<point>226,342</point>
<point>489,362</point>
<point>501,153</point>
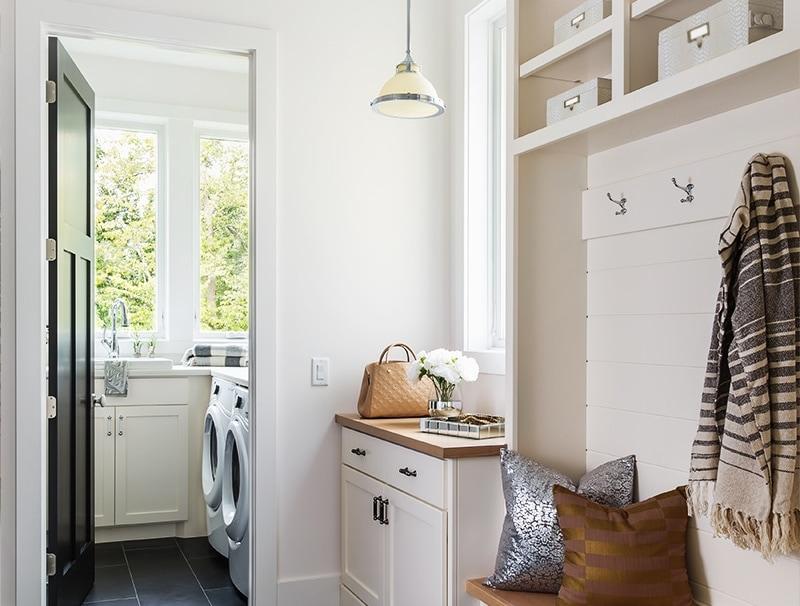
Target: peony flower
<point>467,368</point>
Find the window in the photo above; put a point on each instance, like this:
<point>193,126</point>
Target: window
<point>127,199</point>
<point>485,185</point>
<point>497,184</point>
<point>224,194</point>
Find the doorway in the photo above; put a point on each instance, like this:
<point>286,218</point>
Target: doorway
<point>26,287</point>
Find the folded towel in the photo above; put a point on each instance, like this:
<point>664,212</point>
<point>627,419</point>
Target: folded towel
<point>215,351</point>
<point>116,378</point>
<point>216,361</point>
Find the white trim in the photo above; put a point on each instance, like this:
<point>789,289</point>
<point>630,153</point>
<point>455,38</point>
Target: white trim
<point>490,361</point>
<point>35,20</point>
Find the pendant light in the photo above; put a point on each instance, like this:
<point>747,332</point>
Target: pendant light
<point>408,94</point>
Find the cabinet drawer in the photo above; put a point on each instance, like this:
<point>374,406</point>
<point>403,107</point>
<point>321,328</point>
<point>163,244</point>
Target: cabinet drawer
<point>150,391</point>
<point>413,472</point>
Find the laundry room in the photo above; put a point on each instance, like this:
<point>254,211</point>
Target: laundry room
<point>171,225</point>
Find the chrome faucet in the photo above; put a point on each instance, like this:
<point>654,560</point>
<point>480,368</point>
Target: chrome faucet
<point>113,343</point>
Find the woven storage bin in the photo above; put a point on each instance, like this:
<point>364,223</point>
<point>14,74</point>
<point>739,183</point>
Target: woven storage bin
<point>578,100</point>
<point>719,29</point>
<point>577,20</point>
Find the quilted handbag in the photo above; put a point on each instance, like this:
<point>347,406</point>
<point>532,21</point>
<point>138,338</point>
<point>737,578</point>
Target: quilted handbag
<point>386,391</point>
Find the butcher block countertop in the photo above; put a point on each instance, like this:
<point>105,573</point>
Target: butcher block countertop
<point>405,432</point>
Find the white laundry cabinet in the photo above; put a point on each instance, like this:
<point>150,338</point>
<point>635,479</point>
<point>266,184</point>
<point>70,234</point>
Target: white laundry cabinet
<point>420,513</point>
<point>142,454</point>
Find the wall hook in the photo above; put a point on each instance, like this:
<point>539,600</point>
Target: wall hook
<point>688,189</point>
<point>621,203</point>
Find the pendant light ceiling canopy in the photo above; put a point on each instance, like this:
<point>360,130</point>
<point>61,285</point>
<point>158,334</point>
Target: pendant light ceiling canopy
<point>408,94</point>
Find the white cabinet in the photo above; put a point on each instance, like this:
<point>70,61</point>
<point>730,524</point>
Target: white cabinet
<point>364,537</point>
<point>416,558</point>
<point>152,466</point>
<point>104,428</point>
<point>415,527</point>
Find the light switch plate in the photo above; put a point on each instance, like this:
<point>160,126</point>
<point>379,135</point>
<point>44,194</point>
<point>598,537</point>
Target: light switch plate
<point>320,369</point>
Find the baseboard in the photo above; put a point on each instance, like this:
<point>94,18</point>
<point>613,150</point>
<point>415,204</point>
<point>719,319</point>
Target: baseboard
<point>109,534</point>
<point>309,591</point>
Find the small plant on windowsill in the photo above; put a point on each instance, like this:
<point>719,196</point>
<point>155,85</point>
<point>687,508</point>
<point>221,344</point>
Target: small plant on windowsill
<point>152,341</point>
<point>137,342</point>
<point>447,370</point>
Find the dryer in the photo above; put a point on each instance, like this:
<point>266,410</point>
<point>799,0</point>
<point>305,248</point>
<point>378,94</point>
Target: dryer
<point>236,491</point>
<point>215,428</point>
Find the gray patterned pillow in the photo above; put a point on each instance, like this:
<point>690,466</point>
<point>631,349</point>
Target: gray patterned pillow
<point>531,552</point>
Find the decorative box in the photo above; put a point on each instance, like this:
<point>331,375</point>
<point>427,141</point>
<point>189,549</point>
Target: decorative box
<point>577,20</point>
<point>474,427</point>
<point>719,29</point>
<point>579,99</point>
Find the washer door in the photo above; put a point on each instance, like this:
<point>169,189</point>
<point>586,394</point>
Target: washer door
<point>236,482</point>
<point>213,456</point>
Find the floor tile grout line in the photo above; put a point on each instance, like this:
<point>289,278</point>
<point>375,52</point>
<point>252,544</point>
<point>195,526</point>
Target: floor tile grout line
<point>185,559</point>
<point>130,573</point>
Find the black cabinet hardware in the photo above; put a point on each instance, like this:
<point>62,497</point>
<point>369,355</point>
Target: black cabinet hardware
<point>359,452</point>
<point>375,501</point>
<point>411,473</point>
<point>384,516</point>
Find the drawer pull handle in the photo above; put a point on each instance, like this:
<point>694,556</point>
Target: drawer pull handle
<point>375,515</point>
<point>359,452</point>
<point>411,473</point>
<point>698,34</point>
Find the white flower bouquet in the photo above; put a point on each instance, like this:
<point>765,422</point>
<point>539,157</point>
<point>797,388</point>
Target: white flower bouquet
<point>446,369</point>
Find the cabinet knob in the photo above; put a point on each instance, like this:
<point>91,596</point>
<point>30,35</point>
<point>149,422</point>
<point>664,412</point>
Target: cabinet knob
<point>411,473</point>
<point>359,452</point>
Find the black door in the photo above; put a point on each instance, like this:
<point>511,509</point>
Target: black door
<point>70,520</point>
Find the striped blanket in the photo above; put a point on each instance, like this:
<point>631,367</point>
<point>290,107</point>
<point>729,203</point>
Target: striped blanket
<point>215,355</point>
<point>745,456</point>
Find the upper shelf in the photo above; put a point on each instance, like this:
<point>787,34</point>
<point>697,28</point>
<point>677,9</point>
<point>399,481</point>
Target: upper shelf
<point>545,64</point>
<point>668,9</point>
<point>733,80</point>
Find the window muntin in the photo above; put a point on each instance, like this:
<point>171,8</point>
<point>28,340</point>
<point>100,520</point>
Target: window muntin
<point>223,243</point>
<point>127,225</point>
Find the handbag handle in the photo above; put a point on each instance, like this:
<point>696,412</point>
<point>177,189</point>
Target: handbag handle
<point>410,355</point>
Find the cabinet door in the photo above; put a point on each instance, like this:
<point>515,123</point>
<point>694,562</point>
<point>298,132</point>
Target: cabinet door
<point>152,464</point>
<point>416,552</point>
<point>104,428</point>
<point>363,537</point>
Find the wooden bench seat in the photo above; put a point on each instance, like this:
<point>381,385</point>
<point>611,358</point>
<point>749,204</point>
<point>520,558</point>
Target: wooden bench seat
<point>495,597</point>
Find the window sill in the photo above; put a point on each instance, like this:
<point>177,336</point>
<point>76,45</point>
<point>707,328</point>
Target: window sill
<point>490,361</point>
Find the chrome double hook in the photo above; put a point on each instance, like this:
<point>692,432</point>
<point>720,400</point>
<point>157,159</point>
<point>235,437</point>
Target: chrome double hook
<point>621,203</point>
<point>687,190</point>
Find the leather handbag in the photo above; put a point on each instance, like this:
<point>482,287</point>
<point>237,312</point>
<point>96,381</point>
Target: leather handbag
<point>386,391</point>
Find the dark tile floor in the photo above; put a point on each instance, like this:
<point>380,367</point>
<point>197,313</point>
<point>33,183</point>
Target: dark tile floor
<point>162,572</point>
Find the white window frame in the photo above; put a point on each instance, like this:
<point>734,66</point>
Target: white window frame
<point>227,132</point>
<point>108,121</point>
<point>484,188</point>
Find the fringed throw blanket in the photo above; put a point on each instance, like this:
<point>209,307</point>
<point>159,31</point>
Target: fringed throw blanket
<point>745,455</point>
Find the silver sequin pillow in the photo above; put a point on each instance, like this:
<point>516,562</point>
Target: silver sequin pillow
<point>531,552</point>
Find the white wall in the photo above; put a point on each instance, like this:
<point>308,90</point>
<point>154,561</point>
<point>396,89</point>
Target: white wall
<point>363,250</point>
<point>651,298</point>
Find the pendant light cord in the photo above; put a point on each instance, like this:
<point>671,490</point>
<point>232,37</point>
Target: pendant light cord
<point>408,60</point>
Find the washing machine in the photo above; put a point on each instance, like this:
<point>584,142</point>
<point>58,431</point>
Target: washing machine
<point>236,491</point>
<point>218,418</point>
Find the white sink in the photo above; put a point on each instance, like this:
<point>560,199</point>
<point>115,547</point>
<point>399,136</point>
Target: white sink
<point>140,363</point>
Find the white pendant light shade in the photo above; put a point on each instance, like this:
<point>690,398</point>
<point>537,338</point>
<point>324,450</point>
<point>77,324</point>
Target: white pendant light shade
<point>408,94</point>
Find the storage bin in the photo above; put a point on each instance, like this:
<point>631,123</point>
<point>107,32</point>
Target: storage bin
<point>719,29</point>
<point>579,99</point>
<point>577,20</point>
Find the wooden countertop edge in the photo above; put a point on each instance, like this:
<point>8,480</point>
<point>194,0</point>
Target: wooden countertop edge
<point>494,597</point>
<point>471,448</point>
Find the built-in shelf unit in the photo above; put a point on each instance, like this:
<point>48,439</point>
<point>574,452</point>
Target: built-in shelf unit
<point>547,175</point>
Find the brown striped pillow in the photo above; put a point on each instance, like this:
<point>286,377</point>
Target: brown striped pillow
<point>624,557</point>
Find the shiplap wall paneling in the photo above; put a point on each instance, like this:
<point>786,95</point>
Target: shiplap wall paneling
<point>654,202</point>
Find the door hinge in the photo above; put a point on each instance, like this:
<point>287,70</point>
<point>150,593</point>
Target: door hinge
<point>50,91</point>
<point>51,407</point>
<point>51,564</point>
<point>51,249</point>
